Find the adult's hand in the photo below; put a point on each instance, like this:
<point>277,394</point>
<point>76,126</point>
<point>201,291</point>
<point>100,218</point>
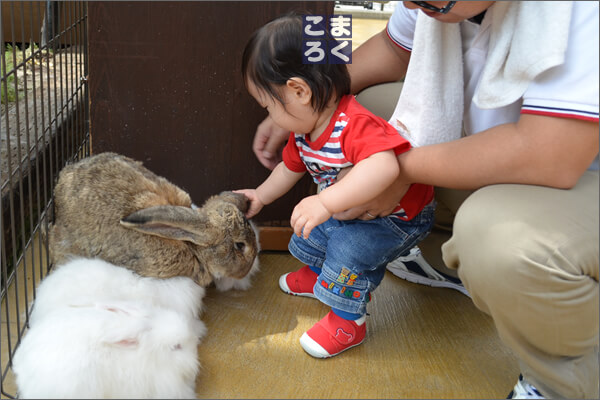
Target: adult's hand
<point>268,143</point>
<point>381,206</point>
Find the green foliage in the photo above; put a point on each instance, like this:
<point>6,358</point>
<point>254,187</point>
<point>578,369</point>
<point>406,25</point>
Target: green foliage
<point>9,87</point>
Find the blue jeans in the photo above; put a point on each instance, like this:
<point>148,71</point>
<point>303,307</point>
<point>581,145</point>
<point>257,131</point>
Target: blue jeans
<point>353,254</point>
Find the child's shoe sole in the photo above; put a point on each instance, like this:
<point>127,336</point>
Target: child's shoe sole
<point>316,350</point>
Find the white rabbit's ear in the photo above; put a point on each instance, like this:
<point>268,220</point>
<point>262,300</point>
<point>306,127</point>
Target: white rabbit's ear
<point>172,222</point>
<point>127,329</point>
<point>118,308</point>
<point>126,342</point>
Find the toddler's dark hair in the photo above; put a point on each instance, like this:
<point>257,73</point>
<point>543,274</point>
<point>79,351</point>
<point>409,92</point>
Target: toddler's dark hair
<point>274,54</point>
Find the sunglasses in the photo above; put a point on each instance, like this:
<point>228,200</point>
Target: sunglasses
<point>427,6</point>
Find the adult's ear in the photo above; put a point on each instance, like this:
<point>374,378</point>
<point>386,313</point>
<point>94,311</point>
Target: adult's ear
<point>300,89</point>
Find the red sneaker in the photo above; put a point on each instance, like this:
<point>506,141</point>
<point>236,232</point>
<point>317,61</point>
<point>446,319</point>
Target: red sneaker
<point>332,335</point>
<point>299,283</point>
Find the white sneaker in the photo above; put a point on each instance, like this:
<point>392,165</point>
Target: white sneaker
<point>524,390</point>
<point>414,268</point>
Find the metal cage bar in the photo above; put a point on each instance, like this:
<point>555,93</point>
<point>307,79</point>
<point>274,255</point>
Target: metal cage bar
<point>45,124</point>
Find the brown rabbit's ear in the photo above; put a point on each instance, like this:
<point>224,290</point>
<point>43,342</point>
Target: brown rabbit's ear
<point>237,199</point>
<point>172,222</point>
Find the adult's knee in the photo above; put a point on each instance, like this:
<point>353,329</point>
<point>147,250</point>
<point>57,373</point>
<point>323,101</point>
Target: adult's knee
<point>527,268</point>
<point>484,246</point>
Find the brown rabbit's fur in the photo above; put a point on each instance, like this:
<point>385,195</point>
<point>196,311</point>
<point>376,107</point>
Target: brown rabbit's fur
<point>111,207</point>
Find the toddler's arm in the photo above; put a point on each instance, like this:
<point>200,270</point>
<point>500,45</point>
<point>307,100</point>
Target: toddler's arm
<point>276,185</point>
<point>364,182</point>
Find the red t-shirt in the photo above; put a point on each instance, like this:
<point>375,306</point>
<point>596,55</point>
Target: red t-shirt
<point>353,134</point>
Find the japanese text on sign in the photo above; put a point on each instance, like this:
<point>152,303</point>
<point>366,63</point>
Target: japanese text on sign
<point>326,39</point>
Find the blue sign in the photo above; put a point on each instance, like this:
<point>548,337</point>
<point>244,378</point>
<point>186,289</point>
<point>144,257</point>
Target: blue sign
<point>327,39</point>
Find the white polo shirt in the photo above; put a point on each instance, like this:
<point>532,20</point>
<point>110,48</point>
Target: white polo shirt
<point>570,90</point>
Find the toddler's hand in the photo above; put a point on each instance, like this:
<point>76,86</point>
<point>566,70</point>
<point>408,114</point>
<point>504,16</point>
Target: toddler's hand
<point>307,214</point>
<point>255,204</point>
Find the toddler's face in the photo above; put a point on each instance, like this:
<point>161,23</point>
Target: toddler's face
<point>296,116</point>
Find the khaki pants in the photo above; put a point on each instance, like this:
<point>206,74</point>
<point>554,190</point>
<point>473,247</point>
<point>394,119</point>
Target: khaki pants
<point>528,256</point>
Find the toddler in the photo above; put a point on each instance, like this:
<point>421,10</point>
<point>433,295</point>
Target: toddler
<point>330,131</point>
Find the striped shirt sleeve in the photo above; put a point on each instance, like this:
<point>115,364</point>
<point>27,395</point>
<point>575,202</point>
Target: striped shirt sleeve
<point>571,90</point>
<point>291,156</point>
<point>401,26</point>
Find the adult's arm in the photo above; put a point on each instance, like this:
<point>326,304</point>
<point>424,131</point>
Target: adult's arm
<point>368,178</point>
<point>537,150</point>
<point>378,60</point>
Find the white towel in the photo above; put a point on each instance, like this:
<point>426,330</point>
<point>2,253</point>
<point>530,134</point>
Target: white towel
<point>515,60</point>
<point>430,108</point>
<point>432,92</point>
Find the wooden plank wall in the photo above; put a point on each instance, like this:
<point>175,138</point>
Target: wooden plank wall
<point>22,21</point>
<point>166,88</point>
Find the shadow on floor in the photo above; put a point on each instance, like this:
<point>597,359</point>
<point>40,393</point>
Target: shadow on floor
<point>421,343</point>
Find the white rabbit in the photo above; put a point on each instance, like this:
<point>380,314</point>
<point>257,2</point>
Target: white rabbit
<point>82,281</point>
<point>100,331</point>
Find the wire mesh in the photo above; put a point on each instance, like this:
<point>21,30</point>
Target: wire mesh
<point>44,125</point>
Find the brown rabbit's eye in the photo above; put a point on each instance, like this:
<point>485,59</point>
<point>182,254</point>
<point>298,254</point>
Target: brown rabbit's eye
<point>240,245</point>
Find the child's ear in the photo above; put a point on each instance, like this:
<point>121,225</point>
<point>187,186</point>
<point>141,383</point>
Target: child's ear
<point>300,89</point>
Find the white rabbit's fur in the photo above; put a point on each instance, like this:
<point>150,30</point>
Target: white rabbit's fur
<point>101,331</point>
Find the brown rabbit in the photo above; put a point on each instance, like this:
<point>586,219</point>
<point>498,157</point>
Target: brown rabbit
<point>111,207</point>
